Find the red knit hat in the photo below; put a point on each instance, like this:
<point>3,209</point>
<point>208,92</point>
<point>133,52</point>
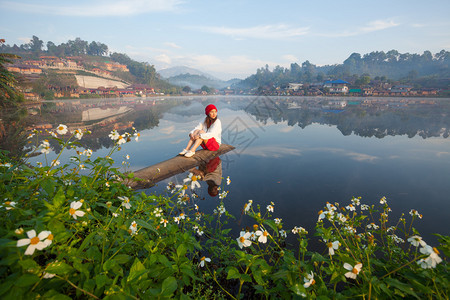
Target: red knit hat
<point>209,108</point>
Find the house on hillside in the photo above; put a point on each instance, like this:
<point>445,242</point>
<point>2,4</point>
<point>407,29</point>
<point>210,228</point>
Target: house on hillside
<point>116,67</point>
<point>37,63</point>
<point>400,90</point>
<point>24,69</point>
<point>336,86</point>
<point>141,89</point>
<point>295,86</point>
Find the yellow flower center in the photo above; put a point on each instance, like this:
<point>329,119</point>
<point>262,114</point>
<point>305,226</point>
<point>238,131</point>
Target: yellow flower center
<point>242,239</point>
<point>265,233</point>
<point>320,212</point>
<point>194,178</point>
<point>329,244</point>
<point>134,225</point>
<point>34,240</point>
<point>50,237</point>
<point>72,211</point>
<point>8,202</point>
<point>355,271</point>
<point>61,128</point>
<point>203,258</point>
<point>185,187</point>
<point>435,250</point>
<point>313,282</point>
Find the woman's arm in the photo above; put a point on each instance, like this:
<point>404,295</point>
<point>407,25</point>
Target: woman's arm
<point>198,127</point>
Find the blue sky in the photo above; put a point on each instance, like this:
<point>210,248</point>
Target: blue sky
<point>233,38</point>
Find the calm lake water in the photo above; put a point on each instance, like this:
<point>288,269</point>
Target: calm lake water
<point>297,152</point>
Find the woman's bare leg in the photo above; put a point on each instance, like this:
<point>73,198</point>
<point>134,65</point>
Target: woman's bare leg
<point>197,143</point>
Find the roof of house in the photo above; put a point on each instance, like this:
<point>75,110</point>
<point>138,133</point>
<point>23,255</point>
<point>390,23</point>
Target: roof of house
<point>339,81</point>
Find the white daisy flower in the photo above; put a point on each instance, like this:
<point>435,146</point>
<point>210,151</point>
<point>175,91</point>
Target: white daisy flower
<point>61,129</point>
<point>309,280</point>
<point>262,236</point>
<point>125,201</point>
<point>34,242</point>
<point>202,261</point>
<point>332,246</point>
<point>416,240</point>
<point>353,270</point>
<point>73,211</point>
<point>244,239</point>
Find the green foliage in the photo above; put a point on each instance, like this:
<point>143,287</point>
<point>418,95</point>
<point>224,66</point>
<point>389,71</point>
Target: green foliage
<point>75,230</point>
<point>9,95</point>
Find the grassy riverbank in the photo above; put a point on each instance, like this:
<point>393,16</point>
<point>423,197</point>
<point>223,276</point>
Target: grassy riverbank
<point>73,230</point>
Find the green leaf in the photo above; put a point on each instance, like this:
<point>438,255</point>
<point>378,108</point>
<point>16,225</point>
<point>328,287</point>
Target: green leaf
<point>137,271</point>
<point>56,226</point>
<point>54,295</point>
<point>48,185</point>
<point>101,280</point>
<point>59,199</point>
<point>28,264</point>
<point>272,225</point>
<point>233,273</point>
<point>169,286</point>
<point>298,289</point>
<point>86,242</point>
<point>59,268</point>
<point>122,258</point>
<point>109,264</point>
<point>146,225</point>
<point>258,277</point>
<point>181,250</point>
<point>401,286</point>
<point>26,280</point>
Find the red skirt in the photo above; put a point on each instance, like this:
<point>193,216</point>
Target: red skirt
<point>211,145</point>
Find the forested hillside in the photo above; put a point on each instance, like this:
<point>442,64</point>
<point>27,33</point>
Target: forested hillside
<point>139,72</point>
<point>426,70</point>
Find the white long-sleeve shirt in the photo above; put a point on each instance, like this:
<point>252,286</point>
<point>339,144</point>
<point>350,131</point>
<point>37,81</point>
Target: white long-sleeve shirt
<point>215,131</point>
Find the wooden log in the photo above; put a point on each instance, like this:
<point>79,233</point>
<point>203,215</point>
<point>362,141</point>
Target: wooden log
<point>149,176</point>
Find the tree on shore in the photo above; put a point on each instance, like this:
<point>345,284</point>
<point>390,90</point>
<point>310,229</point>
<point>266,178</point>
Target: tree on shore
<point>9,95</point>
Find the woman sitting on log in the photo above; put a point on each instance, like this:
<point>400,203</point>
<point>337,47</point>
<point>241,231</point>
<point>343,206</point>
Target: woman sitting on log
<point>207,134</point>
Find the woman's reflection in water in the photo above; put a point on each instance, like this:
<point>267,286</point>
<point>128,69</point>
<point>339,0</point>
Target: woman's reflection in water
<point>211,173</point>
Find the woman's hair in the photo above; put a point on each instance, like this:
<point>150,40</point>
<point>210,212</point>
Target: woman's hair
<point>209,121</point>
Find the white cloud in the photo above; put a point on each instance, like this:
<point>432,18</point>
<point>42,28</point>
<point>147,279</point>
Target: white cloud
<point>439,154</point>
<point>287,129</point>
<point>290,57</point>
<point>97,8</point>
<point>378,25</point>
<point>163,58</point>
<point>271,151</point>
<point>369,27</point>
<point>173,45</point>
<point>237,65</point>
<point>168,130</point>
<point>279,31</point>
<point>361,156</point>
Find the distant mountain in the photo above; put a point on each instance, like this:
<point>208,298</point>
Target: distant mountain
<point>197,81</point>
<point>179,70</point>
